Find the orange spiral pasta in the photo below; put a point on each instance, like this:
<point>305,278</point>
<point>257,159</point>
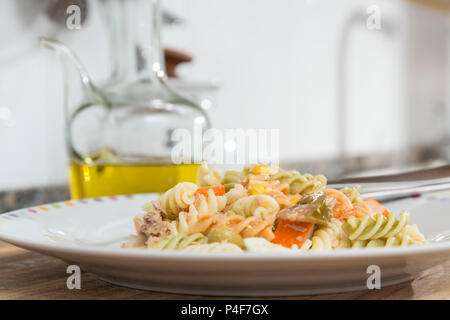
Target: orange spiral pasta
<point>261,184</point>
<point>207,206</point>
<point>191,222</point>
<point>200,216</point>
<point>247,227</point>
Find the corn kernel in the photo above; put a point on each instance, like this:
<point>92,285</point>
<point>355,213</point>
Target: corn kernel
<point>259,188</point>
<point>260,169</point>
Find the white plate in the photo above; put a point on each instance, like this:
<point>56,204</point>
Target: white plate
<point>89,233</point>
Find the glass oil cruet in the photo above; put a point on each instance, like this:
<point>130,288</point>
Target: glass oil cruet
<point>119,133</point>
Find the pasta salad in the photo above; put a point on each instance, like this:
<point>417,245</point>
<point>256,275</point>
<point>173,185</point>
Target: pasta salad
<point>266,208</point>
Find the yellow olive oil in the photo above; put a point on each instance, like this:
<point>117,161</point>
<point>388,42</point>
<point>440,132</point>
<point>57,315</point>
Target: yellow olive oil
<point>88,181</point>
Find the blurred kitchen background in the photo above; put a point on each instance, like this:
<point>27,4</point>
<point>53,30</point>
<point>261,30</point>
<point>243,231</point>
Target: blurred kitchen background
<point>348,100</point>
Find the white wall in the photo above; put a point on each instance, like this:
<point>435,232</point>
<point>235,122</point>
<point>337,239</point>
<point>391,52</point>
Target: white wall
<point>32,145</point>
<point>277,62</point>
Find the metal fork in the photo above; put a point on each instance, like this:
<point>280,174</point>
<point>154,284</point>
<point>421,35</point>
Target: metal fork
<point>390,187</point>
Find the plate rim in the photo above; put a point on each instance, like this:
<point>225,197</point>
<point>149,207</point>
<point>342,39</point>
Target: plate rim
<point>325,255</point>
<point>320,255</point>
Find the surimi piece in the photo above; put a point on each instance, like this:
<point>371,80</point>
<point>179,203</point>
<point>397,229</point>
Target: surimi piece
<point>290,233</point>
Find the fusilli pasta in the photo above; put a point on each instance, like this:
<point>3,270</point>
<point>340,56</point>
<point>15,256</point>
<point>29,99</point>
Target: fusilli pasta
<point>353,194</point>
<point>190,222</point>
<point>210,205</point>
<point>266,208</point>
<point>176,199</point>
<point>208,176</point>
<point>247,227</point>
<point>300,183</point>
<point>327,237</point>
<point>395,241</point>
<point>234,195</point>
<point>179,241</point>
<point>200,216</point>
<point>232,177</point>
<point>261,206</point>
<point>367,228</point>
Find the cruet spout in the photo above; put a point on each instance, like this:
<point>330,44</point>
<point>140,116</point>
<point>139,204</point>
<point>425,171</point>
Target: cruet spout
<point>77,84</point>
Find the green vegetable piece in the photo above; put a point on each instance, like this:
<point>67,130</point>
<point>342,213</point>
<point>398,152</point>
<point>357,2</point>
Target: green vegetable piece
<point>313,198</point>
<point>322,213</point>
<point>224,233</point>
<point>312,208</point>
<point>229,186</point>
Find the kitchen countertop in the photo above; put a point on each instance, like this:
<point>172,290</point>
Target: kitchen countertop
<point>16,199</point>
<point>29,275</point>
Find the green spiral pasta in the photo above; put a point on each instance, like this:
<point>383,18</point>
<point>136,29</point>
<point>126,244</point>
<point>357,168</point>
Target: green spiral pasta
<point>232,177</point>
<point>367,228</point>
<point>179,241</point>
<point>353,194</point>
<point>396,241</point>
<point>300,183</point>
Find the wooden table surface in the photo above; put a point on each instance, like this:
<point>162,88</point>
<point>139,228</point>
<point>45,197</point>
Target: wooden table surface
<point>29,275</point>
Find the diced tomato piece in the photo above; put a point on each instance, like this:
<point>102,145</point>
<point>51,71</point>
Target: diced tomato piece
<point>218,190</point>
